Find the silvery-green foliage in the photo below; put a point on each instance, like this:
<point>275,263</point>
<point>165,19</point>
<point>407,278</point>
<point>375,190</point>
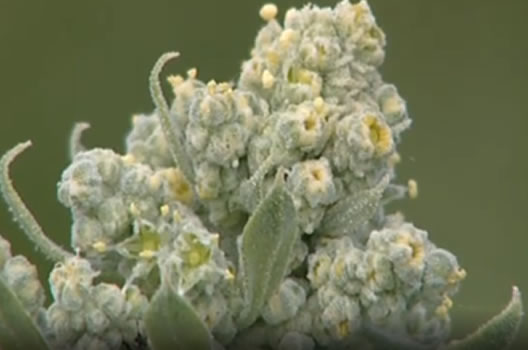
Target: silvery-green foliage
<point>17,328</point>
<point>249,214</point>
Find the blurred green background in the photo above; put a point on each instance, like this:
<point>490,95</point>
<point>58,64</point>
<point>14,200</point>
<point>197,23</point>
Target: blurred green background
<point>462,66</point>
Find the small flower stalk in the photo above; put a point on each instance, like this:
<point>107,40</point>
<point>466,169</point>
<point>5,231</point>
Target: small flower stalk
<point>247,215</point>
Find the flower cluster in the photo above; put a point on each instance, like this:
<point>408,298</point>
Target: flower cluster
<point>259,205</point>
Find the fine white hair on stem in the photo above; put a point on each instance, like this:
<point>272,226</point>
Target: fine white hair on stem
<point>171,134</point>
<point>75,144</point>
<point>21,213</point>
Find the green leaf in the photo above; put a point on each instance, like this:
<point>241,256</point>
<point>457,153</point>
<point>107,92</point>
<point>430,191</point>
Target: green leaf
<point>172,135</point>
<point>172,323</point>
<point>353,211</point>
<point>17,329</point>
<point>265,248</point>
<point>21,213</point>
<point>497,333</point>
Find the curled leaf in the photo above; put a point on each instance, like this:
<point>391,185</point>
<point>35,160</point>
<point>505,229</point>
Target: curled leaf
<point>17,329</point>
<point>21,213</point>
<point>265,248</point>
<point>499,332</point>
<point>172,135</point>
<point>75,143</point>
<point>172,323</point>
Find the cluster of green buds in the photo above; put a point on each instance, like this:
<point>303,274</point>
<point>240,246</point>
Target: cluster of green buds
<point>247,215</point>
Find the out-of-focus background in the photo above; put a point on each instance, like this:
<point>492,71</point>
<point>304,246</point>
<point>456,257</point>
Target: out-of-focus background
<point>462,67</point>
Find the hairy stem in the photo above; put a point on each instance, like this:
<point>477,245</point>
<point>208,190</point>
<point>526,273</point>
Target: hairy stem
<point>21,213</point>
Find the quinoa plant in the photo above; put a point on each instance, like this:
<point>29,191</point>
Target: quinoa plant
<point>247,214</point>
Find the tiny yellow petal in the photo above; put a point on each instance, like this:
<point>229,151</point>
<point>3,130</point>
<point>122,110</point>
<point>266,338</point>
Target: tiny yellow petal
<point>456,276</point>
<point>268,11</point>
<point>342,329</point>
<point>394,159</point>
<point>164,209</point>
<point>319,104</point>
<point>147,254</point>
<point>224,87</point>
<point>286,38</point>
<point>211,86</point>
<point>413,188</point>
<point>230,276</point>
<point>154,182</point>
<point>267,79</point>
<point>192,73</point>
<point>175,80</point>
<point>134,209</point>
<point>135,119</point>
<point>100,246</point>
<point>128,159</point>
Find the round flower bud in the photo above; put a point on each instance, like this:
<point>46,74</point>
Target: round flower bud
<point>110,300</point>
<point>96,320</point>
<point>72,278</point>
<point>442,274</point>
<point>135,179</point>
<point>85,232</point>
<point>391,104</point>
<point>113,216</point>
<point>341,317</point>
<point>285,303</point>
<point>312,179</point>
<point>21,276</point>
<point>81,185</point>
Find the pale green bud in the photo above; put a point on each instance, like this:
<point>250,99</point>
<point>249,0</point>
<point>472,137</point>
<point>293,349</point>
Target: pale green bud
<point>313,181</point>
<point>391,104</point>
<point>96,320</point>
<point>110,300</point>
<point>81,185</point>
<point>21,276</point>
<point>135,179</point>
<point>113,214</point>
<point>284,303</point>
<point>341,317</point>
<point>85,232</point>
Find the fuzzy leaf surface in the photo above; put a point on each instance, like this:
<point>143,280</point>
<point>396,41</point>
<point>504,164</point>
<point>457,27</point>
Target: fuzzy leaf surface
<point>172,323</point>
<point>265,249</point>
<point>499,332</point>
<point>17,329</point>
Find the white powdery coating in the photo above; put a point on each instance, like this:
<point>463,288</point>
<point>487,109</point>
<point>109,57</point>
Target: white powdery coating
<point>309,102</point>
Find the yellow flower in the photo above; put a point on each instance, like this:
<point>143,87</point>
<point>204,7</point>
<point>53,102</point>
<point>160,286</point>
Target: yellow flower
<point>379,135</point>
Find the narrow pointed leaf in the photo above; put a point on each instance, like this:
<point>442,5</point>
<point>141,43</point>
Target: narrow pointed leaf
<point>351,212</point>
<point>499,332</point>
<point>265,248</point>
<point>75,143</point>
<point>172,135</point>
<point>21,213</point>
<point>172,323</point>
<point>17,329</point>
